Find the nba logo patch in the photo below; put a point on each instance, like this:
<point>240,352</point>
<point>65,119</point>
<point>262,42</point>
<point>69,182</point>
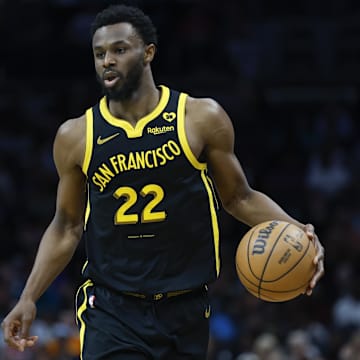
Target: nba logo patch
<point>92,301</point>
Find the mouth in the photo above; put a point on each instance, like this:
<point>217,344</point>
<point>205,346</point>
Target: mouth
<point>110,78</point>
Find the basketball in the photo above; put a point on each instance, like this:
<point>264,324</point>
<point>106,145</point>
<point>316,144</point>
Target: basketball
<point>274,261</point>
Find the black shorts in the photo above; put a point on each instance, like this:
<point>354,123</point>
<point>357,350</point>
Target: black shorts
<point>115,326</point>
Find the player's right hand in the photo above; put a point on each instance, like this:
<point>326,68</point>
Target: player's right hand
<point>16,325</point>
<point>318,260</point>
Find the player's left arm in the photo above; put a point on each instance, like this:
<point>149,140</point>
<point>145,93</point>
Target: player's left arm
<point>238,198</point>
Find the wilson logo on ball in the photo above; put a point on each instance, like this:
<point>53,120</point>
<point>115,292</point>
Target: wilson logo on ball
<point>264,234</point>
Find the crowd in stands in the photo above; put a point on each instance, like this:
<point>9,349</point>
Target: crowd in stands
<point>288,75</point>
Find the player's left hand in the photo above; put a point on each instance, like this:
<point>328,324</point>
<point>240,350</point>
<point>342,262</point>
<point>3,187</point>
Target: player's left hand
<point>318,259</point>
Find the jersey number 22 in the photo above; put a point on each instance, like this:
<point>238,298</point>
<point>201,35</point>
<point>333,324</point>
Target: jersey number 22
<point>124,215</point>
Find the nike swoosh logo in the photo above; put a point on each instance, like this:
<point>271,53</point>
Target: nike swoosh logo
<point>101,141</point>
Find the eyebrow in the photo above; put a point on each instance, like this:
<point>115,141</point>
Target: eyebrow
<point>118,42</point>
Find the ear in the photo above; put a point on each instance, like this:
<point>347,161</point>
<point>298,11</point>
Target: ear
<point>149,53</point>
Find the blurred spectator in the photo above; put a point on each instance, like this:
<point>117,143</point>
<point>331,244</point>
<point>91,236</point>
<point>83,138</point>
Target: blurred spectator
<point>346,309</point>
<point>327,172</point>
<point>247,356</point>
<point>351,349</point>
<point>300,347</point>
<point>267,347</point>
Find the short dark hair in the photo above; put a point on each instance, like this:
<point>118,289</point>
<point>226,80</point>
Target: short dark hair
<point>114,14</point>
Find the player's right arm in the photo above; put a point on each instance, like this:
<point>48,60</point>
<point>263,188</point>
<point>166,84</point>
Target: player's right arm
<point>61,237</point>
<point>210,131</point>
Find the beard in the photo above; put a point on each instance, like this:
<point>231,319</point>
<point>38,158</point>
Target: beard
<point>130,83</point>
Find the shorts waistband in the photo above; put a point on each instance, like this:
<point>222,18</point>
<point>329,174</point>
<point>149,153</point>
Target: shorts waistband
<point>159,296</point>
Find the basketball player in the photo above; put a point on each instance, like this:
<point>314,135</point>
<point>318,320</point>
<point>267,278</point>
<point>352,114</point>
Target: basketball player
<point>134,180</point>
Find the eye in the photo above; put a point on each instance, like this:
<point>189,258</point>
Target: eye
<point>120,50</point>
<point>99,55</point>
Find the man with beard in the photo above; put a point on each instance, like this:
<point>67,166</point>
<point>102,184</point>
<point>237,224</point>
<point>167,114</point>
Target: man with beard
<point>139,175</point>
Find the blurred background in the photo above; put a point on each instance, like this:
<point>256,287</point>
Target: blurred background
<point>288,74</point>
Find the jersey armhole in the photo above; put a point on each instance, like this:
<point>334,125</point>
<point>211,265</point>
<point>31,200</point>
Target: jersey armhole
<point>182,135</point>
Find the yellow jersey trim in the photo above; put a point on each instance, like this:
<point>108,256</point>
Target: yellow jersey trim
<point>137,131</point>
<point>89,117</point>
<point>80,311</point>
<point>88,206</point>
<point>182,134</point>
<point>84,266</point>
<point>88,140</point>
<point>214,220</point>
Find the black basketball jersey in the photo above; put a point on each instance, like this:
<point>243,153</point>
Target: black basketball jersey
<point>151,219</point>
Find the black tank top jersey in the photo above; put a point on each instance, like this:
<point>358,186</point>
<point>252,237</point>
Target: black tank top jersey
<point>151,219</point>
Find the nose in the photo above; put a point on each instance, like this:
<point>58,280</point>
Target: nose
<point>109,60</point>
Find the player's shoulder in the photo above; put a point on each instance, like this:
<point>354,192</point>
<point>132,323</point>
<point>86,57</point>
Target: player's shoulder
<point>69,143</point>
<point>72,129</point>
<point>206,111</point>
<point>72,126</point>
<point>205,105</point>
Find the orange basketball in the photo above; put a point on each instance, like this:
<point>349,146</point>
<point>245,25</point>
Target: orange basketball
<point>274,261</point>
